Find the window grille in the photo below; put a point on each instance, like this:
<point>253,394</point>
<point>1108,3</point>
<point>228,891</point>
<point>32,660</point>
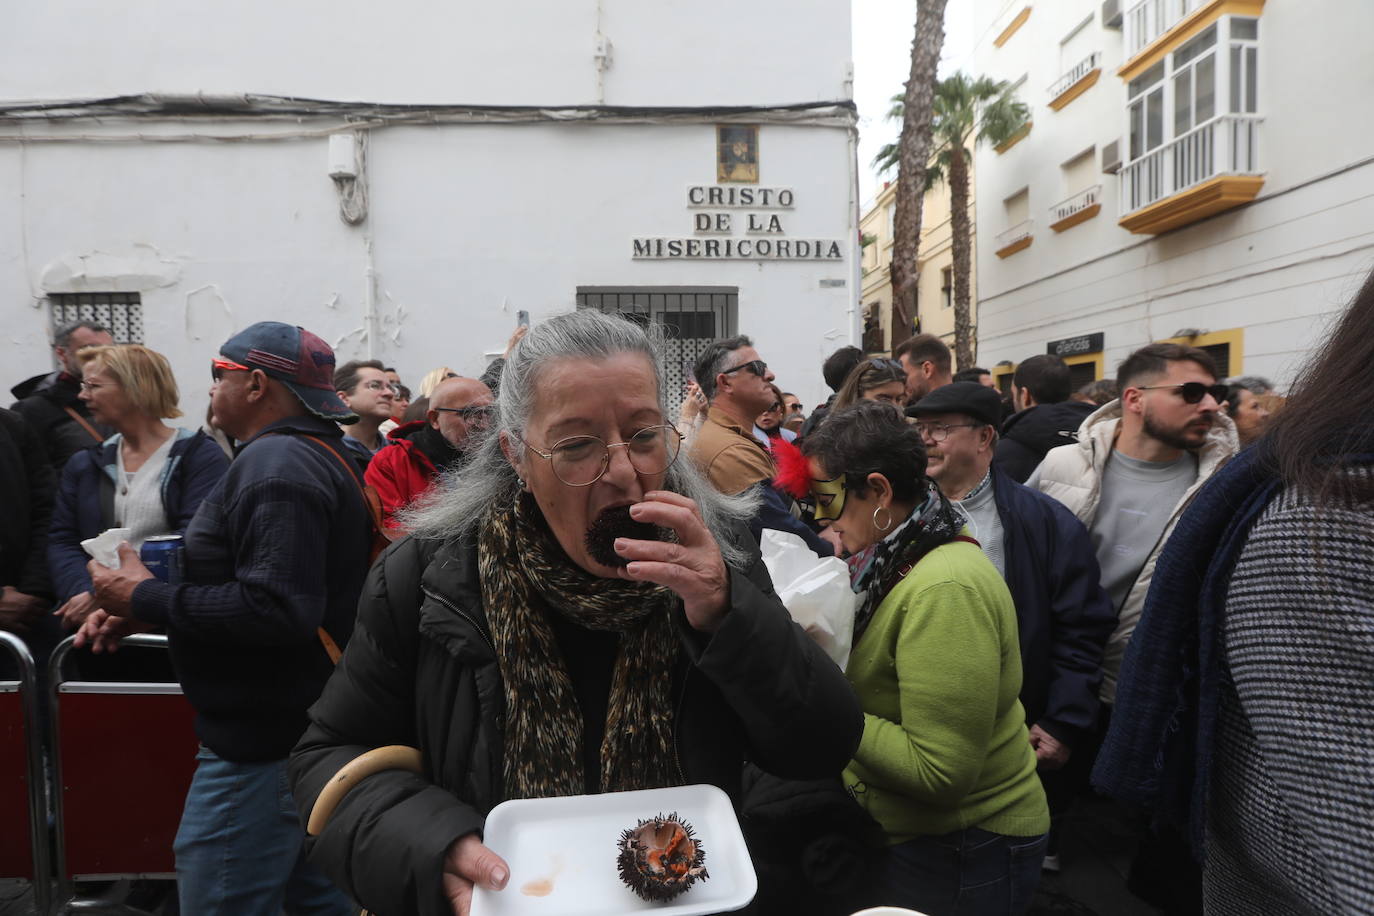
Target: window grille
<point>122,313</point>
<point>1221,354</point>
<point>689,317</point>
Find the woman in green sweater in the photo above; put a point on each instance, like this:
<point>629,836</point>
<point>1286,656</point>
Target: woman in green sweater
<point>945,764</point>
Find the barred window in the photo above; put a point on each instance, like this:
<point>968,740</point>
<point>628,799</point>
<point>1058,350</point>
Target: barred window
<point>122,313</point>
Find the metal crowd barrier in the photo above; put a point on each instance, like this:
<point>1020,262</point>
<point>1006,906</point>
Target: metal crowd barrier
<point>123,754</point>
<point>24,854</point>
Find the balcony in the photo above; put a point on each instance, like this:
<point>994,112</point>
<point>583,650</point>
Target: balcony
<point>1017,238</point>
<point>1079,208</point>
<point>1213,167</point>
<point>1076,82</point>
<point>1148,19</point>
<point>1151,28</point>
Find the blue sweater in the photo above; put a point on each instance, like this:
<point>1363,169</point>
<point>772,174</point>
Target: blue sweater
<point>278,550</point>
<point>85,500</point>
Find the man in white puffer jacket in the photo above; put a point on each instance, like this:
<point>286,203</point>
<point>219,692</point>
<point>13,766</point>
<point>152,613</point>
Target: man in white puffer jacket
<point>1137,462</point>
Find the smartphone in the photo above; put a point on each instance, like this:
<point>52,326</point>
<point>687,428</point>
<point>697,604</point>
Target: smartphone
<point>522,318</point>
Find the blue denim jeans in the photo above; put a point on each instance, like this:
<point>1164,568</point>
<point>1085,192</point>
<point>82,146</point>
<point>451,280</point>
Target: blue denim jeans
<point>240,846</point>
<point>967,873</point>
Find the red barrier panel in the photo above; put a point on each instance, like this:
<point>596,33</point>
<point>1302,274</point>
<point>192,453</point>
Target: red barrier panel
<point>16,848</point>
<point>126,756</point>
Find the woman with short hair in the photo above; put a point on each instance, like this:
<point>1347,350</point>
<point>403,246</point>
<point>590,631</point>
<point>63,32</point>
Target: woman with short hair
<point>945,764</point>
<point>881,380</point>
<point>577,612</point>
<point>148,477</point>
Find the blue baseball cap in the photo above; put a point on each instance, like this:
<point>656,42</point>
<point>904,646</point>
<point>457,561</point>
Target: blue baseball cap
<point>298,359</point>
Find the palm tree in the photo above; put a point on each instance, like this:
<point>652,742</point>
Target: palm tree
<point>912,152</point>
<point>967,111</point>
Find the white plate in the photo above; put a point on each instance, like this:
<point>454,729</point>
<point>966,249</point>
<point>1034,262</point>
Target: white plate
<point>567,848</point>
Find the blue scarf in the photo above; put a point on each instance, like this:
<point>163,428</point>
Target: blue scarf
<point>1158,750</point>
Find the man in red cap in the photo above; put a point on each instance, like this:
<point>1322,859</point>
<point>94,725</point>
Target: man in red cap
<point>274,561</point>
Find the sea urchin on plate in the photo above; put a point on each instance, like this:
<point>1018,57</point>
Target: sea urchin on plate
<point>660,858</point>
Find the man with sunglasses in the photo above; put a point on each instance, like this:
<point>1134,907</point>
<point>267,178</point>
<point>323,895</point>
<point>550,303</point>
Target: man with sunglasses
<point>1136,462</point>
<point>459,411</point>
<point>738,387</point>
<point>274,562</point>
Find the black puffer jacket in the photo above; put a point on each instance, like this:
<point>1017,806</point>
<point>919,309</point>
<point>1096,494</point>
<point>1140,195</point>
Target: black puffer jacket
<point>1028,435</point>
<point>43,401</point>
<point>421,670</point>
<point>28,487</point>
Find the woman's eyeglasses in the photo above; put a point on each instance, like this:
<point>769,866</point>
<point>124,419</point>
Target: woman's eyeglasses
<point>1192,392</point>
<point>579,461</point>
<point>775,407</point>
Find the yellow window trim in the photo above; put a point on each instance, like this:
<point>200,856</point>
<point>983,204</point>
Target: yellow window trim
<point>1234,336</point>
<point>1011,28</point>
<point>1073,219</point>
<point>1014,139</point>
<point>1192,204</point>
<point>1097,359</point>
<point>1087,81</point>
<point>1185,29</point>
<point>1020,244</point>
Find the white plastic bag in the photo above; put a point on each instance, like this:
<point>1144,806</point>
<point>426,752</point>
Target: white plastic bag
<point>104,547</point>
<point>814,589</point>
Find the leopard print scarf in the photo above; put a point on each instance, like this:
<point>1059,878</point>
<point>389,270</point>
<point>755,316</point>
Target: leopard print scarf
<point>524,571</point>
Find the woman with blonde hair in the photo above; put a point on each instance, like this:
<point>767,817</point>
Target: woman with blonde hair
<point>881,380</point>
<point>148,477</point>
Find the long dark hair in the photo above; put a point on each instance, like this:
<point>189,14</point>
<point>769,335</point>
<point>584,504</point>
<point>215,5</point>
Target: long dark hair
<point>1328,418</point>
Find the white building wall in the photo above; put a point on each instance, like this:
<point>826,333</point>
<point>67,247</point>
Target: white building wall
<point>1279,268</point>
<point>467,223</point>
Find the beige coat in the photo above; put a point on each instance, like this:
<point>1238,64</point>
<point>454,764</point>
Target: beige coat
<point>729,455</point>
<point>1072,474</point>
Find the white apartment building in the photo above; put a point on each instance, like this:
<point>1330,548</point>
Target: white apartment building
<point>1196,170</point>
<point>404,179</point>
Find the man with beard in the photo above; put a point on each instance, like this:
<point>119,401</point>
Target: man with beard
<point>49,401</point>
<point>459,410</point>
<point>1137,462</point>
<point>927,361</point>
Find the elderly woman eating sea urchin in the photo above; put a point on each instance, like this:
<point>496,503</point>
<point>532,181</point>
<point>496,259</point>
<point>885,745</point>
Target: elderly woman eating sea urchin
<point>576,612</point>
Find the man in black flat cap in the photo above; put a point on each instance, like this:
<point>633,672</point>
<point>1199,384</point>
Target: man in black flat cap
<point>1046,558</point>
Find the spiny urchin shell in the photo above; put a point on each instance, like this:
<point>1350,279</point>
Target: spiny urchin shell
<point>660,858</point>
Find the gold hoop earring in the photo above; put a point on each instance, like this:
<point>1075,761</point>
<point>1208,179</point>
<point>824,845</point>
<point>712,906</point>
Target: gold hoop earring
<point>886,525</point>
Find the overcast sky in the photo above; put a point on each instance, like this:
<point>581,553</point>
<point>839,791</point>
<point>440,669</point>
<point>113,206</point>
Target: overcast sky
<point>883,30</point>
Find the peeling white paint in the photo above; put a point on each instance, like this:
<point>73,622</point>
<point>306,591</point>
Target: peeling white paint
<point>207,314</point>
<point>332,302</point>
<point>126,269</point>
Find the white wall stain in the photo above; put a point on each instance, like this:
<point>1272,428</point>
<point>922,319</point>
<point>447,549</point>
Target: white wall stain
<point>122,269</point>
<point>207,315</point>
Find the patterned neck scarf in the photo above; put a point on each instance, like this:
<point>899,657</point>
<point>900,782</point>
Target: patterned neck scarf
<point>525,575</point>
<point>933,523</point>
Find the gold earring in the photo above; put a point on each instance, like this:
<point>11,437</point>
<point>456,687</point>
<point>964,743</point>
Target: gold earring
<point>887,524</point>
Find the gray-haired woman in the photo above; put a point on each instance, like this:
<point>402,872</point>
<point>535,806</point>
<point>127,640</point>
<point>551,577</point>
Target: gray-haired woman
<point>577,612</point>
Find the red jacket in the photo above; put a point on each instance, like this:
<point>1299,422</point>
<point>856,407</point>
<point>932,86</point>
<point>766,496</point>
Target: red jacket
<point>400,472</point>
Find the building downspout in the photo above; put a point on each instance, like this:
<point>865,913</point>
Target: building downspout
<point>369,299</point>
<point>854,311</point>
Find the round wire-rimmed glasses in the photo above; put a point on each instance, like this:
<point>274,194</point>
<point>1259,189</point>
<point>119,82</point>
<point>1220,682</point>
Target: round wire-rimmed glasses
<point>579,461</point>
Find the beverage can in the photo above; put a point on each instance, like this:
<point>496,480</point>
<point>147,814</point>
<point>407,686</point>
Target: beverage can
<point>162,555</point>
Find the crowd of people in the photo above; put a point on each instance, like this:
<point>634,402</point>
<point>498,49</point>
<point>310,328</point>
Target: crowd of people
<point>1157,588</point>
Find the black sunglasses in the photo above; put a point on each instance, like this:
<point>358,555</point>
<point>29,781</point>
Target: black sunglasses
<point>1192,392</point>
<point>468,413</point>
<point>756,366</point>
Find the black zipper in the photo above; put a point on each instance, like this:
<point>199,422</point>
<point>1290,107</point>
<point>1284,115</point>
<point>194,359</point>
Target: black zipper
<point>481,631</point>
<point>677,720</point>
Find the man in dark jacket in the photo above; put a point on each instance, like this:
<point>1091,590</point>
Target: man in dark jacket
<point>1045,416</point>
<point>50,403</point>
<point>459,408</point>
<point>27,483</point>
<point>1046,558</point>
<point>275,559</point>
